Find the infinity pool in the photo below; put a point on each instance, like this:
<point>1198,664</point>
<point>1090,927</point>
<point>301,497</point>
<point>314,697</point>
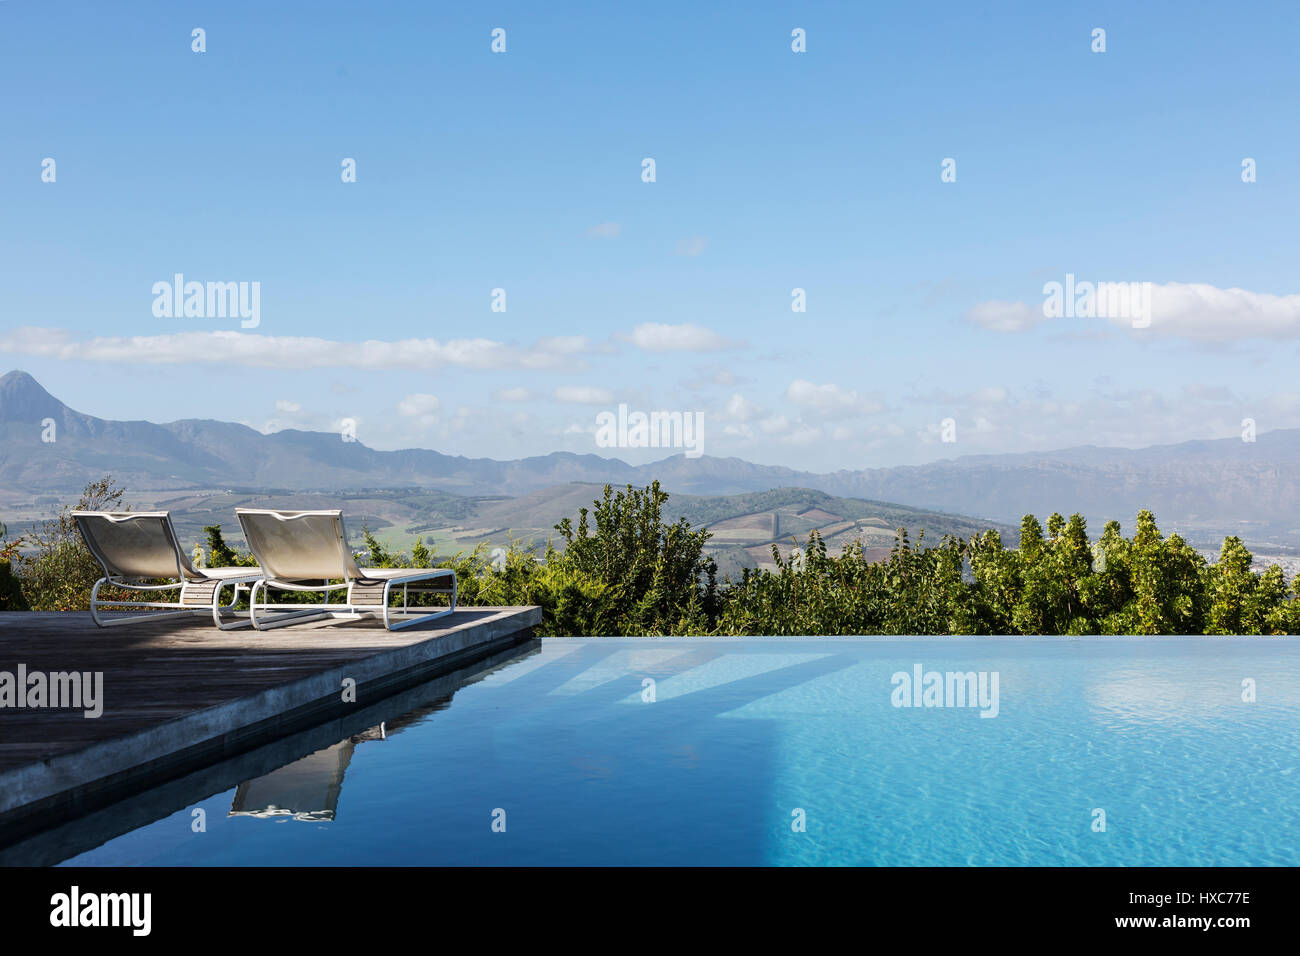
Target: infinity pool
<point>1103,752</point>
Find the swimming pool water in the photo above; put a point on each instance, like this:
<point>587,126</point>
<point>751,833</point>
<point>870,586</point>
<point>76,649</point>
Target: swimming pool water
<point>736,741</point>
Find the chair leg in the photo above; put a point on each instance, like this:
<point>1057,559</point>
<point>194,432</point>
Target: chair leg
<point>218,608</point>
<point>117,620</point>
<point>280,618</point>
<point>423,618</point>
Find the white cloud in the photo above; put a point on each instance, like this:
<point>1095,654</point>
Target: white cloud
<point>513,395</point>
<point>706,377</point>
<point>583,395</point>
<point>563,344</point>
<point>418,405</point>
<point>932,432</point>
<point>831,401</point>
<point>1005,316</point>
<point>741,409</point>
<point>1130,417</point>
<point>985,395</point>
<point>290,407</point>
<point>690,247</point>
<point>1191,310</point>
<point>659,337</point>
<point>421,407</point>
<point>1199,311</point>
<point>606,230</point>
<point>269,351</point>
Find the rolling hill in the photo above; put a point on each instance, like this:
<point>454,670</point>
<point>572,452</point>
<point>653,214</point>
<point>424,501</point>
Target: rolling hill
<point>1203,489</point>
<point>744,527</point>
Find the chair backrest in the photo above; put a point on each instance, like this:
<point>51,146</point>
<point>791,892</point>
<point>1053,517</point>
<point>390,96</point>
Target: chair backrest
<point>299,545</point>
<point>134,544</point>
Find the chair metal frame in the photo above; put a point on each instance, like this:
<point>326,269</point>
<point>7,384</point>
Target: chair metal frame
<point>368,589</point>
<point>192,582</point>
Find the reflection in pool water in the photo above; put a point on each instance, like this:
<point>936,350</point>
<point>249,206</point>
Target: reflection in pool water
<point>306,790</point>
<point>666,751</point>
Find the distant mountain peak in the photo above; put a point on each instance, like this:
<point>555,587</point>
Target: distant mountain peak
<point>18,379</point>
<point>22,398</point>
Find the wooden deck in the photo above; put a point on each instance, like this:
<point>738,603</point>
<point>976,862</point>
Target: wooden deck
<point>179,694</point>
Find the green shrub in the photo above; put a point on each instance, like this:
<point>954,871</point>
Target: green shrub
<point>62,572</point>
<point>11,592</point>
<point>623,571</point>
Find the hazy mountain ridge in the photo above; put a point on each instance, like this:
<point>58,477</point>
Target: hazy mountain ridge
<point>1205,487</point>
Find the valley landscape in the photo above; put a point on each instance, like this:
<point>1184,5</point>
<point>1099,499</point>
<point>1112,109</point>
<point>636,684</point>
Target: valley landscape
<point>202,470</point>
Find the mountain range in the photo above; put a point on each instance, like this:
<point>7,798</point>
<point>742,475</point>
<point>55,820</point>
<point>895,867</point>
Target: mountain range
<point>1202,488</point>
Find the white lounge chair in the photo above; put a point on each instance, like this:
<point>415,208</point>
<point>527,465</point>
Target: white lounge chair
<point>137,547</point>
<point>308,551</point>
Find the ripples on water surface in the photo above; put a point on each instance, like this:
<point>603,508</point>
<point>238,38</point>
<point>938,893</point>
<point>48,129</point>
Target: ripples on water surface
<point>742,733</point>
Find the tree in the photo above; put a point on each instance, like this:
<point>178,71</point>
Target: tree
<point>1150,591</point>
<point>11,592</point>
<point>1034,611</point>
<point>63,571</point>
<point>1071,566</point>
<point>998,582</point>
<point>1229,589</point>
<point>647,569</point>
<point>221,555</point>
<point>1242,602</point>
<point>377,555</point>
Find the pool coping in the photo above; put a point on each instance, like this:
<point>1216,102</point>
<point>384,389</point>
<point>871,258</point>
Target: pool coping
<point>44,793</point>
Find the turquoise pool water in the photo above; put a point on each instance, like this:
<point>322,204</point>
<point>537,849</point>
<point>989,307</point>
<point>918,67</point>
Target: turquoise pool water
<point>665,751</point>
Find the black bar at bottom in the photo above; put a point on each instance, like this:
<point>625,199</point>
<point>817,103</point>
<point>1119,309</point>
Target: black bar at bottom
<point>334,905</point>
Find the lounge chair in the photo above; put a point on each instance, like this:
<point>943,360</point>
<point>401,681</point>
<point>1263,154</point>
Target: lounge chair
<point>138,547</point>
<point>308,551</point>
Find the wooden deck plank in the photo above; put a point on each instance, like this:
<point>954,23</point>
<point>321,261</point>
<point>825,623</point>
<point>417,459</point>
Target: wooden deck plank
<point>182,686</point>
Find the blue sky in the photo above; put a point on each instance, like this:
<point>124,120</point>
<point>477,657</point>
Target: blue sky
<point>775,170</point>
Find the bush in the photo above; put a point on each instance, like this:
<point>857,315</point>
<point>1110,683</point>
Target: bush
<point>11,592</point>
<point>623,571</point>
<point>1054,583</point>
<point>654,577</point>
<point>60,576</point>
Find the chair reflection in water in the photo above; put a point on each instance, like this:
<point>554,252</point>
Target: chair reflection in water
<point>307,789</point>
